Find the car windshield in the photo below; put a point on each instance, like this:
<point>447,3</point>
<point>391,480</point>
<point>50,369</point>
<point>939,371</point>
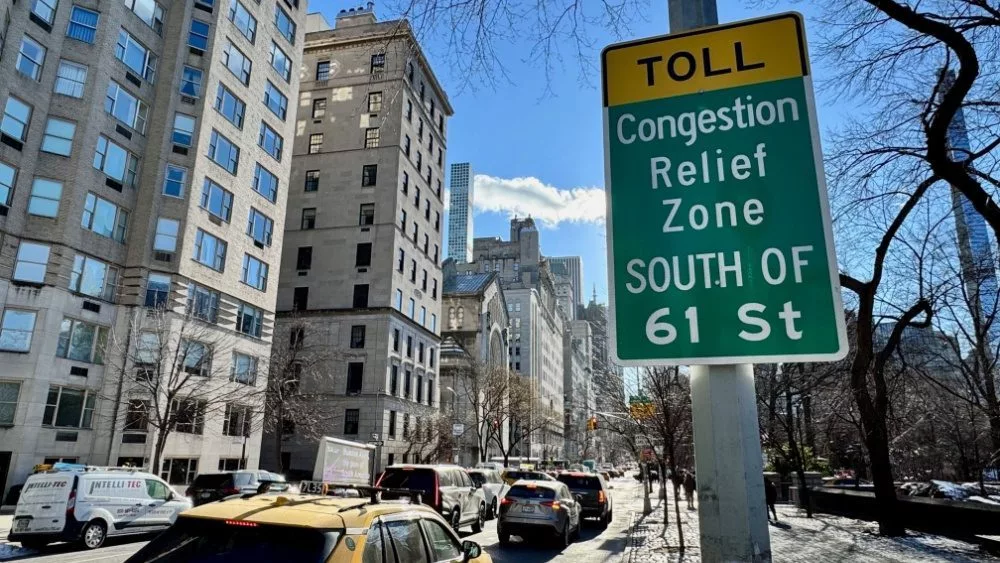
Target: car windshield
<point>527,492</point>
<point>196,540</point>
<point>580,481</point>
<point>525,475</point>
<point>212,481</point>
<point>403,478</point>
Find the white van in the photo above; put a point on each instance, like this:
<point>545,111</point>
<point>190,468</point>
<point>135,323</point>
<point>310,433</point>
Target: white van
<point>88,504</point>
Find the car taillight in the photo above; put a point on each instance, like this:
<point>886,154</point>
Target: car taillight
<point>600,497</point>
<point>553,504</point>
<point>71,503</point>
<point>505,501</point>
<point>230,491</point>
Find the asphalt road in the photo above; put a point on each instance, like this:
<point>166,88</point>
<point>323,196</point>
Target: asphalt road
<point>594,546</point>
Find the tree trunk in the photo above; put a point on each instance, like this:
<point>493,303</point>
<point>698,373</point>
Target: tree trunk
<point>161,443</point>
<point>677,516</point>
<point>885,490</point>
<point>793,446</point>
<point>807,422</point>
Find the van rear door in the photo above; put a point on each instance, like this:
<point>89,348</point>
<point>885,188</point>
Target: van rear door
<point>43,503</point>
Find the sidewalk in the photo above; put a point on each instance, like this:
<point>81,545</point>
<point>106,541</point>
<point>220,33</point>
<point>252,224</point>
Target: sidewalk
<point>795,539</point>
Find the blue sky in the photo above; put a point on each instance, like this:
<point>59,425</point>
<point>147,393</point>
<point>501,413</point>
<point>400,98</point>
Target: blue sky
<point>552,142</point>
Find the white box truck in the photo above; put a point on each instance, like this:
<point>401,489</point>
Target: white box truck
<point>341,461</point>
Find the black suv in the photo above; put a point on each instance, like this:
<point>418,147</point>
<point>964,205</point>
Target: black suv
<point>446,488</point>
<point>594,494</point>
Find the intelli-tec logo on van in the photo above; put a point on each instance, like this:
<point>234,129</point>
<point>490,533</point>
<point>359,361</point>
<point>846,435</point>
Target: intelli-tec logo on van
<point>115,484</point>
<point>45,485</point>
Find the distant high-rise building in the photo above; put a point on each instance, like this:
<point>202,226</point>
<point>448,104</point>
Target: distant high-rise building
<point>460,213</point>
<point>569,268</point>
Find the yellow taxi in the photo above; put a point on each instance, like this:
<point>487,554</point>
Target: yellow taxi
<point>293,528</point>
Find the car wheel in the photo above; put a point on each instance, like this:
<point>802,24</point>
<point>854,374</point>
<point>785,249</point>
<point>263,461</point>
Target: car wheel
<point>493,509</point>
<point>94,534</point>
<point>456,519</point>
<point>477,526</point>
<point>603,521</point>
<point>504,537</point>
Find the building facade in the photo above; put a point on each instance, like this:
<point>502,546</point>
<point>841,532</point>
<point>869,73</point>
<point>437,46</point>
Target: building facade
<point>361,266</point>
<point>577,384</point>
<point>460,212</point>
<point>569,269</point>
<point>142,164</point>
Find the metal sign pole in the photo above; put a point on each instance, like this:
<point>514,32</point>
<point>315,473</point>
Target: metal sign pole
<point>729,470</point>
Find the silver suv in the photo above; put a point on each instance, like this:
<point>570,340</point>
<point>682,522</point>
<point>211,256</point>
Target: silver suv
<point>446,488</point>
<point>539,509</point>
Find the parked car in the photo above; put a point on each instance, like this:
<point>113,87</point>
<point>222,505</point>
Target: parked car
<point>594,495</point>
<point>510,476</point>
<point>76,503</point>
<point>447,488</point>
<point>539,509</point>
<point>210,487</point>
<point>493,487</point>
<point>335,530</point>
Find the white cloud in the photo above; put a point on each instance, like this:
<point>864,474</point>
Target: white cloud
<point>546,204</point>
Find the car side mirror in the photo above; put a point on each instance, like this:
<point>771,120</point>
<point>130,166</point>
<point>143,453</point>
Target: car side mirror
<point>471,550</point>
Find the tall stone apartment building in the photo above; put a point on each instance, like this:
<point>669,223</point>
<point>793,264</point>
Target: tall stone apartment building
<point>143,152</point>
<point>361,275</point>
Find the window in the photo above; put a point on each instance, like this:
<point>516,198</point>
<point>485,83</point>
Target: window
<point>30,58</point>
<point>360,300</point>
<point>44,9</point>
<point>416,198</point>
<point>147,353</point>
<point>323,70</point>
<point>369,174</point>
<point>397,300</point>
<point>254,273</point>
<point>265,183</point>
<point>137,415</point>
<point>406,151</point>
<point>319,108</point>
<point>371,138</point>
<point>304,258</point>
<point>179,470</point>
<point>16,116</point>
<point>157,290</point>
<point>189,416</point>
<point>149,11</point>
<point>401,263</point>
<point>203,303</point>
<point>420,129</point>
<point>82,25</point>
<point>420,161</point>
<point>183,130</point>
<point>392,414</point>
<point>275,100</point>
<point>374,102</point>
<point>423,316</point>
<point>437,221</point>
<point>280,62</point>
<point>351,418</point>
<point>422,90</point>
<point>436,252</point>
<point>430,357</point>
<point>209,250</point>
<point>378,65</point>
<point>315,143</point>
<point>409,110</point>
<point>300,299</point>
<point>407,393</point>
<point>308,218</point>
<point>198,35</point>
<point>93,277</point>
<point>284,24</point>
<point>440,162</point>
<point>363,255</point>
<point>312,180</point>
<point>413,271</point>
<point>358,336</point>
<point>395,340</point>
<point>236,421</point>
<point>249,320</point>
<point>135,55</point>
<point>260,227</point>
<point>217,200</point>
<point>244,369</point>
<point>230,106</point>
<point>355,371</point>
<point>430,143</point>
<point>420,395</point>
<point>191,79</point>
<point>367,214</point>
<point>423,281</point>
<point>45,195</point>
<point>69,408</point>
<point>406,183</point>
<point>237,63</point>
<point>270,141</point>
<point>125,107</point>
<point>224,152</point>
<point>104,218</point>
<point>434,325</point>
<point>32,260</point>
<point>70,79</point>
<point>243,20</point>
<point>116,162</point>
<point>412,309</point>
<point>402,222</point>
<point>174,180</point>
<point>82,342</point>
<point>166,235</point>
<point>426,243</point>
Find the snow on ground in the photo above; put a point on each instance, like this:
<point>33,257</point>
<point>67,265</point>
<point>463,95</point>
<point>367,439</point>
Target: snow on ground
<point>10,551</point>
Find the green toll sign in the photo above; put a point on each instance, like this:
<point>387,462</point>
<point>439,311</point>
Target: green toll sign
<point>720,248</point>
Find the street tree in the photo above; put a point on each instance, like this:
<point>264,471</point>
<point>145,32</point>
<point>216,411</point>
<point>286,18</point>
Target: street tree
<point>526,415</point>
<point>482,400</point>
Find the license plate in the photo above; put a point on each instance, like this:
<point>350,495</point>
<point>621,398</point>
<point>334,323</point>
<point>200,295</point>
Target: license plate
<point>21,525</point>
<point>527,508</point>
<point>205,495</point>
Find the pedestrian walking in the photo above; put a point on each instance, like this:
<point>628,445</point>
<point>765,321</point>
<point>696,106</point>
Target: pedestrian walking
<point>689,486</point>
<point>677,480</point>
<point>771,496</point>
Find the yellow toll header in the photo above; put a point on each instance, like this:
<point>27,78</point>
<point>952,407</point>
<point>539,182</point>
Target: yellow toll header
<point>712,58</point>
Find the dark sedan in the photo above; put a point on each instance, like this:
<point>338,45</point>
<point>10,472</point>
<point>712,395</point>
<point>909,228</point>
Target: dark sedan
<point>594,494</point>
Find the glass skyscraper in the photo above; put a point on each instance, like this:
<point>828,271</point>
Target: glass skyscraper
<point>460,213</point>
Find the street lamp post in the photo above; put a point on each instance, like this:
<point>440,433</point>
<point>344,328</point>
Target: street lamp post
<point>454,438</point>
